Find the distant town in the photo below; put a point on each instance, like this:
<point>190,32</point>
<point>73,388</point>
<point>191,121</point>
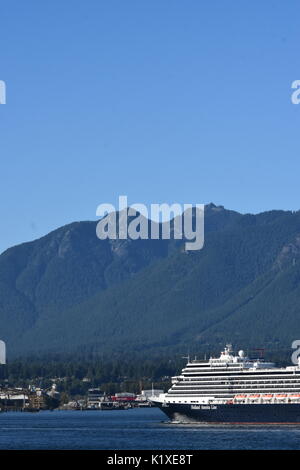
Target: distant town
<point>47,384</point>
<point>36,399</point>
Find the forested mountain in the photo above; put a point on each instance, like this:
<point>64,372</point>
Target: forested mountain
<point>70,292</point>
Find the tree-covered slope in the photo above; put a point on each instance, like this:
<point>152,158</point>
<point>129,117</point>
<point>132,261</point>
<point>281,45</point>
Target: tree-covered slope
<point>70,291</point>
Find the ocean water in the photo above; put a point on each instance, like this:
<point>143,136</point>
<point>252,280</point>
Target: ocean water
<point>133,429</point>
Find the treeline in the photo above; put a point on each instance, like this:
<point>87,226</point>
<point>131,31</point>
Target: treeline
<point>74,377</point>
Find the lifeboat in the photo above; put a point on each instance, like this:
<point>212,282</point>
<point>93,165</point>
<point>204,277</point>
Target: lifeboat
<point>295,395</point>
<point>268,395</point>
<point>257,395</point>
<point>240,396</point>
<point>281,395</point>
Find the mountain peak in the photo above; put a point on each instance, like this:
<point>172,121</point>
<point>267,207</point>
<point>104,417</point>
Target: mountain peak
<point>212,206</point>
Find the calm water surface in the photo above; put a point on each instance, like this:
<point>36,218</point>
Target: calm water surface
<point>132,429</point>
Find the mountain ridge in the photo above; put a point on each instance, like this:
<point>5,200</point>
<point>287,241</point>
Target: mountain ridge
<point>69,291</point>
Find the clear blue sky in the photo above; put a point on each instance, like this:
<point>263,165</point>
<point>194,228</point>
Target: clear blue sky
<point>160,100</point>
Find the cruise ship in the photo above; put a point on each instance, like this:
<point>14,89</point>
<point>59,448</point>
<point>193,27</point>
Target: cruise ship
<point>233,389</point>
